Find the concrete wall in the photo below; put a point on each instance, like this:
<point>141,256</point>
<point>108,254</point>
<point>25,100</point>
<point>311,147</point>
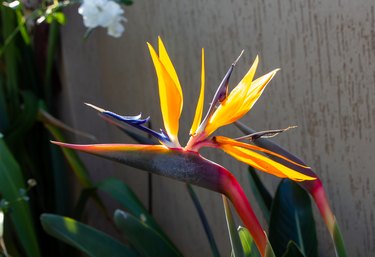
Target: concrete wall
<point>325,50</point>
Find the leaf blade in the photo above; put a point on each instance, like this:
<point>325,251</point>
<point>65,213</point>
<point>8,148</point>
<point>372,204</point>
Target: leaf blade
<point>85,238</point>
<point>263,197</point>
<point>237,250</point>
<point>292,219</point>
<point>143,238</point>
<point>11,180</point>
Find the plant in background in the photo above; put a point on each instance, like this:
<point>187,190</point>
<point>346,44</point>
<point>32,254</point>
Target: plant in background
<point>186,164</point>
<point>29,33</point>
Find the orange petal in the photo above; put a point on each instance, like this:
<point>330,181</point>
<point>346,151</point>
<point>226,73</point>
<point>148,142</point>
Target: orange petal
<point>166,61</point>
<point>226,140</point>
<point>261,162</point>
<point>235,106</point>
<point>171,99</point>
<point>240,100</point>
<point>244,156</point>
<point>199,109</point>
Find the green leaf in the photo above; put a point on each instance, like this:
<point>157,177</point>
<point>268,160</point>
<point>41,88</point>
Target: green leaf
<point>269,250</point>
<point>248,244</point>
<point>22,26</point>
<point>263,197</point>
<point>11,181</point>
<point>59,17</point>
<point>126,197</point>
<point>292,219</point>
<point>293,250</point>
<point>85,238</point>
<point>236,243</point>
<point>143,238</point>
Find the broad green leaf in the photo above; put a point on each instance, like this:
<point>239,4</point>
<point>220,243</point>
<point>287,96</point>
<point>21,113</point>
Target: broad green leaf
<point>293,250</point>
<point>248,244</point>
<point>263,197</point>
<point>237,250</point>
<point>204,221</point>
<point>85,238</point>
<point>11,181</point>
<point>126,197</point>
<point>292,220</point>
<point>142,237</point>
<point>129,201</point>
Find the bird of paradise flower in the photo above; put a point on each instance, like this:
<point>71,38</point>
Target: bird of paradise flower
<point>170,159</point>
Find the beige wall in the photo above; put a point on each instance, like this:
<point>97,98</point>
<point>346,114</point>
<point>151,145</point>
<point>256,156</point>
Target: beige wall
<point>325,50</point>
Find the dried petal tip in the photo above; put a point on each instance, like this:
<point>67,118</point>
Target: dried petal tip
<point>238,58</point>
<point>95,107</point>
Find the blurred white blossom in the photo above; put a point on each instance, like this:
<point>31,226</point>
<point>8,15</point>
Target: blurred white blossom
<point>103,13</point>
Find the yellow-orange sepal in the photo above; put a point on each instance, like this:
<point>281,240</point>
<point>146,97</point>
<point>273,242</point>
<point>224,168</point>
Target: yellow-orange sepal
<point>240,100</point>
<point>199,109</point>
<point>246,153</point>
<point>170,93</point>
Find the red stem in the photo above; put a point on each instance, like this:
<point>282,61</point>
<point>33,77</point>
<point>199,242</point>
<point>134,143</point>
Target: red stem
<point>321,200</point>
<point>239,200</point>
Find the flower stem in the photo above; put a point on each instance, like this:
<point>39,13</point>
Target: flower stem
<point>239,200</point>
<point>320,198</point>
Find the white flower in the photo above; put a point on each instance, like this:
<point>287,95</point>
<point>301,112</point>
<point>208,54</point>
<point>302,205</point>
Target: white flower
<point>115,29</point>
<point>103,13</point>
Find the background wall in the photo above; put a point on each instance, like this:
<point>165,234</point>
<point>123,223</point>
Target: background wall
<point>325,50</point>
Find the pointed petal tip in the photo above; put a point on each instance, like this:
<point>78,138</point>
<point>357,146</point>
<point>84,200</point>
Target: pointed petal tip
<point>95,107</point>
<point>238,58</point>
<point>150,47</point>
<point>60,143</point>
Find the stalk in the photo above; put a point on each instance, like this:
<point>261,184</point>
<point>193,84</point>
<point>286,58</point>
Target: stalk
<point>319,195</point>
<point>233,190</point>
